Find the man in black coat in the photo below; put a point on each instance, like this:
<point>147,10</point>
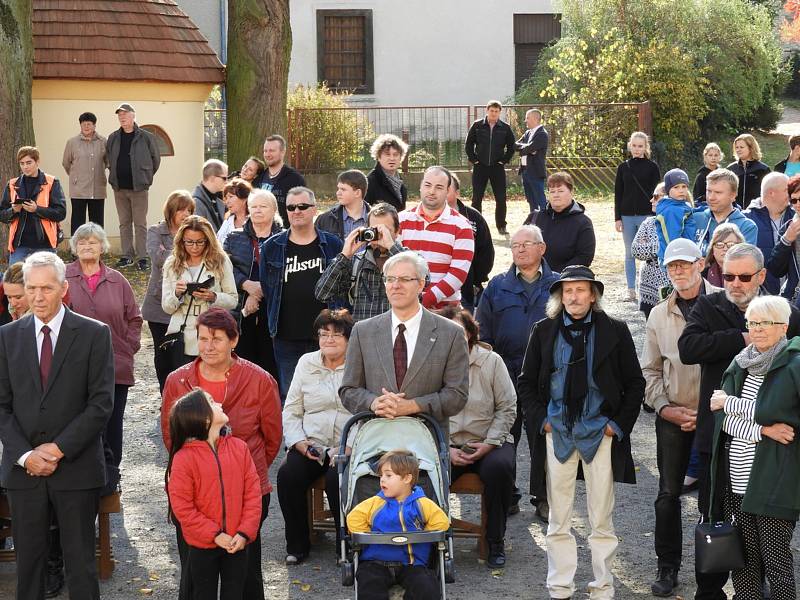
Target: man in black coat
<point>56,395</point>
<point>489,147</point>
<point>532,147</point>
<point>580,390</point>
<point>483,260</point>
<point>278,177</point>
<point>715,333</point>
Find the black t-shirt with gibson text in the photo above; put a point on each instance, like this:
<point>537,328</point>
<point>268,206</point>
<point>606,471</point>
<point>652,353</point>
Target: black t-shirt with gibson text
<point>303,267</point>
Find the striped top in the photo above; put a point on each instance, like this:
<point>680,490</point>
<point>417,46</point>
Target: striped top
<point>740,424</point>
<point>447,244</point>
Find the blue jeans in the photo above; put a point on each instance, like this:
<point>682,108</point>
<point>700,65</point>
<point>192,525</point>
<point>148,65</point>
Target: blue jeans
<point>23,252</point>
<point>534,190</point>
<point>287,353</point>
<point>630,225</point>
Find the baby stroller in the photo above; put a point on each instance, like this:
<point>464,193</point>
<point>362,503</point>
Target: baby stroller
<point>358,481</point>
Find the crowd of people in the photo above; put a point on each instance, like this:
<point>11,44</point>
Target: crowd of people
<point>273,325</point>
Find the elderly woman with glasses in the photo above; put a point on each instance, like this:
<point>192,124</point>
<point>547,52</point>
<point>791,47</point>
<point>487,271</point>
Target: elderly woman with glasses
<point>785,258</point>
<point>313,419</point>
<point>725,237</point>
<point>197,276</point>
<point>755,466</point>
<point>100,292</point>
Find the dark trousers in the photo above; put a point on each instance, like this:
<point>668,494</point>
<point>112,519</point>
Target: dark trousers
<point>114,425</point>
<point>295,476</point>
<point>534,190</point>
<point>496,471</point>
<point>287,353</point>
<point>31,513</point>
<point>253,587</point>
<point>160,358</point>
<point>374,580</point>
<point>214,566</point>
<point>496,175</point>
<point>767,548</point>
<point>80,206</point>
<point>255,344</point>
<point>673,448</point>
<point>709,585</point>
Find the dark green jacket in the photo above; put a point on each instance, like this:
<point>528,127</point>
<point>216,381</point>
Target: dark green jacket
<point>774,486</point>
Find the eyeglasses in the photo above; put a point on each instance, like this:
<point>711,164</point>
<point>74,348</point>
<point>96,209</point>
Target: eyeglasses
<point>294,207</point>
<point>794,199</point>
<point>679,265</point>
<point>389,279</point>
<point>525,245</point>
<point>327,335</point>
<point>762,324</point>
<point>195,242</point>
<point>742,278</point>
<point>725,245</point>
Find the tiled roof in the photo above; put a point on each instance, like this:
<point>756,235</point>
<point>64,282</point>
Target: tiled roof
<point>141,40</point>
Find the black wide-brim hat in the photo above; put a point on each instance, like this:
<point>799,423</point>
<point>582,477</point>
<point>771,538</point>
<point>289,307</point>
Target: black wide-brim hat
<point>576,273</point>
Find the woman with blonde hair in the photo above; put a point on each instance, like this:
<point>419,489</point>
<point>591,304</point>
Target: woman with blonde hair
<point>636,179</point>
<point>197,276</point>
<point>748,168</point>
<point>725,237</point>
<point>712,157</point>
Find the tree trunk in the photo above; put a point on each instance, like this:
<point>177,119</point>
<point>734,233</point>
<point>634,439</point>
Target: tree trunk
<point>259,48</point>
<point>16,81</point>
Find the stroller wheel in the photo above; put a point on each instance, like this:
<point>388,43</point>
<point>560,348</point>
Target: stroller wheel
<point>348,574</point>
<point>449,571</point>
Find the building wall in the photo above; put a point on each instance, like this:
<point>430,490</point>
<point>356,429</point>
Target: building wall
<point>442,52</point>
<point>176,108</point>
<point>208,15</point>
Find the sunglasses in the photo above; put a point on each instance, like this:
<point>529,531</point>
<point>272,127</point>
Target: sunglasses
<point>294,207</point>
<point>742,278</point>
<point>794,199</point>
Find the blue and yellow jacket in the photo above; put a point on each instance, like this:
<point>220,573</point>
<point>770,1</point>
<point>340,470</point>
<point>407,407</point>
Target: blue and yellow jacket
<point>379,514</point>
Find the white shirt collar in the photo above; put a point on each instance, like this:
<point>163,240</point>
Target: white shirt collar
<point>411,325</point>
<point>54,324</point>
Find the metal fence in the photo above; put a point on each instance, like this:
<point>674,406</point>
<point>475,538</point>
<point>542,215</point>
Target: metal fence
<point>216,134</point>
<point>587,140</point>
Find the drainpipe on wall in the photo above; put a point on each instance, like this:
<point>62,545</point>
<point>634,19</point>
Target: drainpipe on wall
<point>223,45</point>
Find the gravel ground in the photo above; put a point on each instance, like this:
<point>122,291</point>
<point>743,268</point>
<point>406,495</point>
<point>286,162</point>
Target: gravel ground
<point>146,553</point>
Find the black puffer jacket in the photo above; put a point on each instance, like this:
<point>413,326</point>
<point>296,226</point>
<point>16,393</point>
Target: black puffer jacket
<point>569,235</point>
<point>750,176</point>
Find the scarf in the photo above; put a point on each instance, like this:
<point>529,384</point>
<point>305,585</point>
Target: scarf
<point>396,184</point>
<point>576,384</point>
<point>758,363</point>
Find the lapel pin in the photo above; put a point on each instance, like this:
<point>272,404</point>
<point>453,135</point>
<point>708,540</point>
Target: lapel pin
<point>433,339</point>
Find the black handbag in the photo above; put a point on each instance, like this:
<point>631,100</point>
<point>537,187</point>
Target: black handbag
<point>718,547</point>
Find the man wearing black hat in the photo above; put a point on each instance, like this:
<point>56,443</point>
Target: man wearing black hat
<point>580,390</point>
<point>133,159</point>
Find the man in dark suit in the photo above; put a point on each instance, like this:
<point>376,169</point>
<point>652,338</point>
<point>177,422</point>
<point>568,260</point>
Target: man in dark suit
<point>532,147</point>
<point>56,395</point>
<point>406,360</point>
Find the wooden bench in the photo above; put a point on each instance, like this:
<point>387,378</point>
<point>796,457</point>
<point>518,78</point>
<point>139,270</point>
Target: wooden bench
<point>470,483</point>
<point>105,556</point>
<point>320,519</point>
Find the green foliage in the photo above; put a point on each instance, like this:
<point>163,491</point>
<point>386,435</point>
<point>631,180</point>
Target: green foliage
<point>331,138</point>
<point>706,66</point>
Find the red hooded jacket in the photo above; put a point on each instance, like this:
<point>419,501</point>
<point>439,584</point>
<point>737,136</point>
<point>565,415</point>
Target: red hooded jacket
<point>214,492</point>
<point>251,402</point>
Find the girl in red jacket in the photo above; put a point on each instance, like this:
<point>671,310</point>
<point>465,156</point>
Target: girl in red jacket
<point>214,493</point>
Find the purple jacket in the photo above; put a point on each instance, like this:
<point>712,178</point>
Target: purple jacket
<point>114,304</point>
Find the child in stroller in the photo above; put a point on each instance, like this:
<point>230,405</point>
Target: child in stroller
<point>400,506</point>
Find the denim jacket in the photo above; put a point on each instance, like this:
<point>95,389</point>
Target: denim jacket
<point>273,259</point>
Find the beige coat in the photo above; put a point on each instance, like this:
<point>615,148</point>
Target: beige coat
<point>85,162</point>
<point>669,382</point>
<point>227,297</point>
<point>492,404</point>
<point>313,410</point>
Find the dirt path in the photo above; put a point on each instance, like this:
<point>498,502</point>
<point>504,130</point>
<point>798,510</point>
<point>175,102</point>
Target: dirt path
<point>790,122</point>
<point>144,542</point>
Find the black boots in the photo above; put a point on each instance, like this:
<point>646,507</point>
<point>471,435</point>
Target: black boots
<point>667,581</point>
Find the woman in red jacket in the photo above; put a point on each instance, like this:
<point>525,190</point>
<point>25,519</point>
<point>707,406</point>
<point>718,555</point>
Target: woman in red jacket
<point>250,398</point>
<point>214,493</point>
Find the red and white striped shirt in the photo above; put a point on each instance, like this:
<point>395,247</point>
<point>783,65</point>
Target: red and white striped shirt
<point>447,244</point>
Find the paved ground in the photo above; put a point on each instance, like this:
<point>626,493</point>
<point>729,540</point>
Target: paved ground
<point>144,541</point>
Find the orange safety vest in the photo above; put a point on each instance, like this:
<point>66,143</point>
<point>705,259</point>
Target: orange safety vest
<point>43,199</point>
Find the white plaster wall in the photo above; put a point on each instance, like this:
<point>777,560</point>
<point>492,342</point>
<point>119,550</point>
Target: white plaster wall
<point>425,51</point>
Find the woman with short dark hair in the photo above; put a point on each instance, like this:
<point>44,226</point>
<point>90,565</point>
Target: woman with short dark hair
<point>234,195</point>
<point>313,419</point>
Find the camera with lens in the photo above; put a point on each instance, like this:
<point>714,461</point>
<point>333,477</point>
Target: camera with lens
<point>368,234</point>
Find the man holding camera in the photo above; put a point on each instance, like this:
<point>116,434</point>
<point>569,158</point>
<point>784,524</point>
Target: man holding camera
<point>355,275</point>
<point>33,204</point>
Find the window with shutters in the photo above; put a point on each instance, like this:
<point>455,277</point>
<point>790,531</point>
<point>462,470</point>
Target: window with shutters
<point>344,50</point>
<point>532,33</point>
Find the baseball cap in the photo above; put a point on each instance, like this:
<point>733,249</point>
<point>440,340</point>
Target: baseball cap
<point>126,107</point>
<point>681,249</point>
